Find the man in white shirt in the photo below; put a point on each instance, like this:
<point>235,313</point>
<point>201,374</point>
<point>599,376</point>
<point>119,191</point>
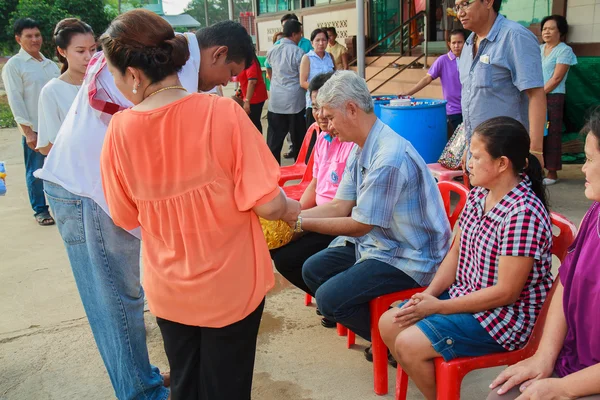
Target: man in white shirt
<point>105,258</point>
<point>24,76</point>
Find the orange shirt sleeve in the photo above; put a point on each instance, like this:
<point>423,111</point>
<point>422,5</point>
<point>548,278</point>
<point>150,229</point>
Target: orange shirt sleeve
<point>256,172</point>
<point>122,208</point>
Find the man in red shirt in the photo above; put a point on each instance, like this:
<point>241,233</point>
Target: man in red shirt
<point>254,92</point>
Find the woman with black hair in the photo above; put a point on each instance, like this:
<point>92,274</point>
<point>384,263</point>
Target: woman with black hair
<point>196,183</point>
<point>488,291</point>
<point>315,62</point>
<point>557,58</point>
<point>75,46</point>
<point>566,364</point>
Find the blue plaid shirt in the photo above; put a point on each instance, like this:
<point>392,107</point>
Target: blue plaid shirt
<point>494,81</point>
<point>396,194</point>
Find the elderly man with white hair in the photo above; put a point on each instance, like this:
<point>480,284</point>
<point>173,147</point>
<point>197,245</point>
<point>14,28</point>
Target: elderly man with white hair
<point>388,213</point>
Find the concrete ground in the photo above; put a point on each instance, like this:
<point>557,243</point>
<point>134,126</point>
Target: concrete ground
<point>47,350</point>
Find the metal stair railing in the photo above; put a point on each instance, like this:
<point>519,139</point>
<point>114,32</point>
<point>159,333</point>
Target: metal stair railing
<point>422,15</point>
<point>403,68</point>
<point>402,36</point>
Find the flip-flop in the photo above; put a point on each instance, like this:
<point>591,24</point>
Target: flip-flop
<point>166,378</point>
<point>549,182</point>
<point>327,323</point>
<point>44,219</point>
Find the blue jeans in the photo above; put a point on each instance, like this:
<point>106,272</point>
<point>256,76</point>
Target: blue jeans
<point>35,187</point>
<point>344,287</point>
<point>106,264</point>
<point>457,335</point>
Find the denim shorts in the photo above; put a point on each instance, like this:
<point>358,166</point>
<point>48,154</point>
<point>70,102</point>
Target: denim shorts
<point>457,335</point>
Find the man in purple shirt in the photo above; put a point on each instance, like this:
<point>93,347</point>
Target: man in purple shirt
<point>446,68</point>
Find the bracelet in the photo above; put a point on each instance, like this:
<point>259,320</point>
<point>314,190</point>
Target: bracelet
<point>537,153</point>
<point>298,227</point>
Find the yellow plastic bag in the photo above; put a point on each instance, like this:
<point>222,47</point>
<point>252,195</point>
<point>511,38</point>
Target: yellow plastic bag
<point>277,233</point>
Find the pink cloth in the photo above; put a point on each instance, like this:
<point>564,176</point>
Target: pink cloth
<point>330,162</point>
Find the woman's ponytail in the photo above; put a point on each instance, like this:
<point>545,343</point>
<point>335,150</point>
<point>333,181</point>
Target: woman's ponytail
<point>535,172</point>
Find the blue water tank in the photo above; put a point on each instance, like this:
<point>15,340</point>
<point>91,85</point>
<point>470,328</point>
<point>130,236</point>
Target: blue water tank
<point>423,124</point>
<point>381,100</point>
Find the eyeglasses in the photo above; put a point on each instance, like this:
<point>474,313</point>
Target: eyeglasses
<point>463,6</point>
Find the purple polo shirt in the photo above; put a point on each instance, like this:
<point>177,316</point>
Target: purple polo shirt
<point>581,298</point>
<point>446,68</point>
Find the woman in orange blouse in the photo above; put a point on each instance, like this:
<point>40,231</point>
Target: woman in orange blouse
<point>196,183</point>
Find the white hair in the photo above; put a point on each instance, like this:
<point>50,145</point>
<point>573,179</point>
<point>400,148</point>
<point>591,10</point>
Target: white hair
<point>344,87</point>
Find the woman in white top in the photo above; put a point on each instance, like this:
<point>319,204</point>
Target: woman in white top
<point>75,46</point>
<point>314,63</point>
<point>557,58</point>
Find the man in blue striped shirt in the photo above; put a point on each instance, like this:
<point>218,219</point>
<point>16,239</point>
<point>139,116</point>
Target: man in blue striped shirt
<point>388,213</point>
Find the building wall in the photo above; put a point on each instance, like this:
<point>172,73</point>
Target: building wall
<point>526,12</point>
<point>584,21</point>
<point>342,16</point>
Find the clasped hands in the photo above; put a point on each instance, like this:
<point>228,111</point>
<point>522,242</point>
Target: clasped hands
<point>419,306</point>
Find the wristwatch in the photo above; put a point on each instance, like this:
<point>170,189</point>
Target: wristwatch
<point>298,227</point>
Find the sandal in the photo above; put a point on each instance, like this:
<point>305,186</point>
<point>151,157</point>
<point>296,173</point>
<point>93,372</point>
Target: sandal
<point>327,323</point>
<point>44,219</point>
<point>369,357</point>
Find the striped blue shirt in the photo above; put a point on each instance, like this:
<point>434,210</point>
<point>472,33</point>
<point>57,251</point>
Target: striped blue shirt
<point>396,194</point>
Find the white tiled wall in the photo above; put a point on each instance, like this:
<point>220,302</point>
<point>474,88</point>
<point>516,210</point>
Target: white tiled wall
<point>584,21</point>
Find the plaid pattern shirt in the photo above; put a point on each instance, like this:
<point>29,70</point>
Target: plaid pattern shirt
<point>397,195</point>
<point>518,226</point>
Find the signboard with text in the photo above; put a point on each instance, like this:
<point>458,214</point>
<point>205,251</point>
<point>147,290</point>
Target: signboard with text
<point>266,30</point>
<point>344,22</point>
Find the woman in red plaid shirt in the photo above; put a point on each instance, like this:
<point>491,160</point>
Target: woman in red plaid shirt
<point>488,291</point>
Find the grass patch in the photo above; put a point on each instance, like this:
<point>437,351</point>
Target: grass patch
<point>6,117</point>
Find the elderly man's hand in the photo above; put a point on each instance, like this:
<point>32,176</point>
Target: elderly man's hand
<point>292,212</point>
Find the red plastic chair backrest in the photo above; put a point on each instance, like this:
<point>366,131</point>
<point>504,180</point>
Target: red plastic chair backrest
<point>308,172</point>
<point>312,130</point>
<point>565,238</point>
<point>560,245</point>
<point>448,187</point>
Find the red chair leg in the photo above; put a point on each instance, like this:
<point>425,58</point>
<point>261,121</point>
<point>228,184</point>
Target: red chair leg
<point>448,380</point>
<point>380,361</point>
<point>401,384</point>
<point>341,330</point>
<point>307,300</point>
<point>351,339</point>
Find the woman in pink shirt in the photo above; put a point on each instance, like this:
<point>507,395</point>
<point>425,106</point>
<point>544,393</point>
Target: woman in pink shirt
<point>195,183</point>
<point>567,362</point>
<point>330,157</point>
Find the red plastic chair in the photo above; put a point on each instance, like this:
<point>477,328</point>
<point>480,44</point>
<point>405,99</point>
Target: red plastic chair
<point>381,304</point>
<point>297,170</point>
<point>448,187</point>
<point>449,375</point>
<point>442,174</point>
<point>295,191</point>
